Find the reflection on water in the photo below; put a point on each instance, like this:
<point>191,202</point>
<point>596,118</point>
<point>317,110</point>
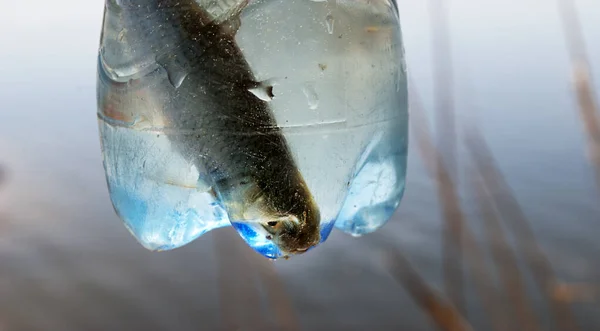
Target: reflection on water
<point>67,263</point>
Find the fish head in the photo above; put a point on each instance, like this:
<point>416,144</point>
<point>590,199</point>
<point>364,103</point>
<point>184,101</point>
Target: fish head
<point>294,233</point>
<point>280,214</point>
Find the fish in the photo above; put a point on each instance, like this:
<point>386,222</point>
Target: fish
<point>217,122</point>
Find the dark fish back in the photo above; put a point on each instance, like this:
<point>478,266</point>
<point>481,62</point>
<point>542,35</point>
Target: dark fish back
<point>217,122</point>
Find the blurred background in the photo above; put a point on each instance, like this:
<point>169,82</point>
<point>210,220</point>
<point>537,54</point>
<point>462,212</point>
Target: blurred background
<point>498,229</point>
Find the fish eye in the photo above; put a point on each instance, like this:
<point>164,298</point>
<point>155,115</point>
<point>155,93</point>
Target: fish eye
<point>272,223</point>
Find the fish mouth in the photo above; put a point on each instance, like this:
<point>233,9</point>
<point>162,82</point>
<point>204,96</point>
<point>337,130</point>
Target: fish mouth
<point>268,243</point>
<point>299,251</point>
<point>302,250</point>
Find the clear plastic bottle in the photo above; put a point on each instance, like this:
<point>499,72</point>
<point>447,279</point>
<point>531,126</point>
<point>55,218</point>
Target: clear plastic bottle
<point>282,118</point>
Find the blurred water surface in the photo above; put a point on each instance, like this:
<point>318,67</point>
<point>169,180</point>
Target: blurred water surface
<point>67,262</point>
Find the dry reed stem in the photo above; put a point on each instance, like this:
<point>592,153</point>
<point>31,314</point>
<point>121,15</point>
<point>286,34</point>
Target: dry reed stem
<point>278,301</point>
<point>446,138</point>
<point>453,214</point>
<point>445,122</point>
<point>511,213</point>
<point>584,89</point>
<point>242,274</point>
<point>505,261</point>
<point>239,296</point>
<point>453,273</point>
<point>445,316</point>
<point>576,293</point>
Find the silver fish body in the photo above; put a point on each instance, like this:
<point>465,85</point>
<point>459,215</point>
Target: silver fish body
<point>217,123</point>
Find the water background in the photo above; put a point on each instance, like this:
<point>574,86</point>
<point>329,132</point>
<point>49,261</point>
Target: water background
<point>67,262</point>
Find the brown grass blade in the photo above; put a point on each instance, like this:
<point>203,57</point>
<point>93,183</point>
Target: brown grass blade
<point>445,316</point>
<point>454,215</point>
<point>584,89</point>
<point>445,126</point>
<point>278,302</point>
<point>445,122</point>
<point>577,293</point>
<point>239,296</point>
<point>513,216</point>
<point>453,223</point>
<point>505,260</point>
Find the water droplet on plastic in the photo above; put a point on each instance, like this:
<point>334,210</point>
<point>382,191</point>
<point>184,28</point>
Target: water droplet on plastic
<point>176,72</point>
<point>311,95</point>
<point>329,21</point>
<point>264,91</point>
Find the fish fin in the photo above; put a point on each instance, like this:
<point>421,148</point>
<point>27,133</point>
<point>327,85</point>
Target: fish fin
<point>262,90</point>
<point>222,11</point>
<point>232,26</point>
<point>226,13</point>
<point>176,70</point>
